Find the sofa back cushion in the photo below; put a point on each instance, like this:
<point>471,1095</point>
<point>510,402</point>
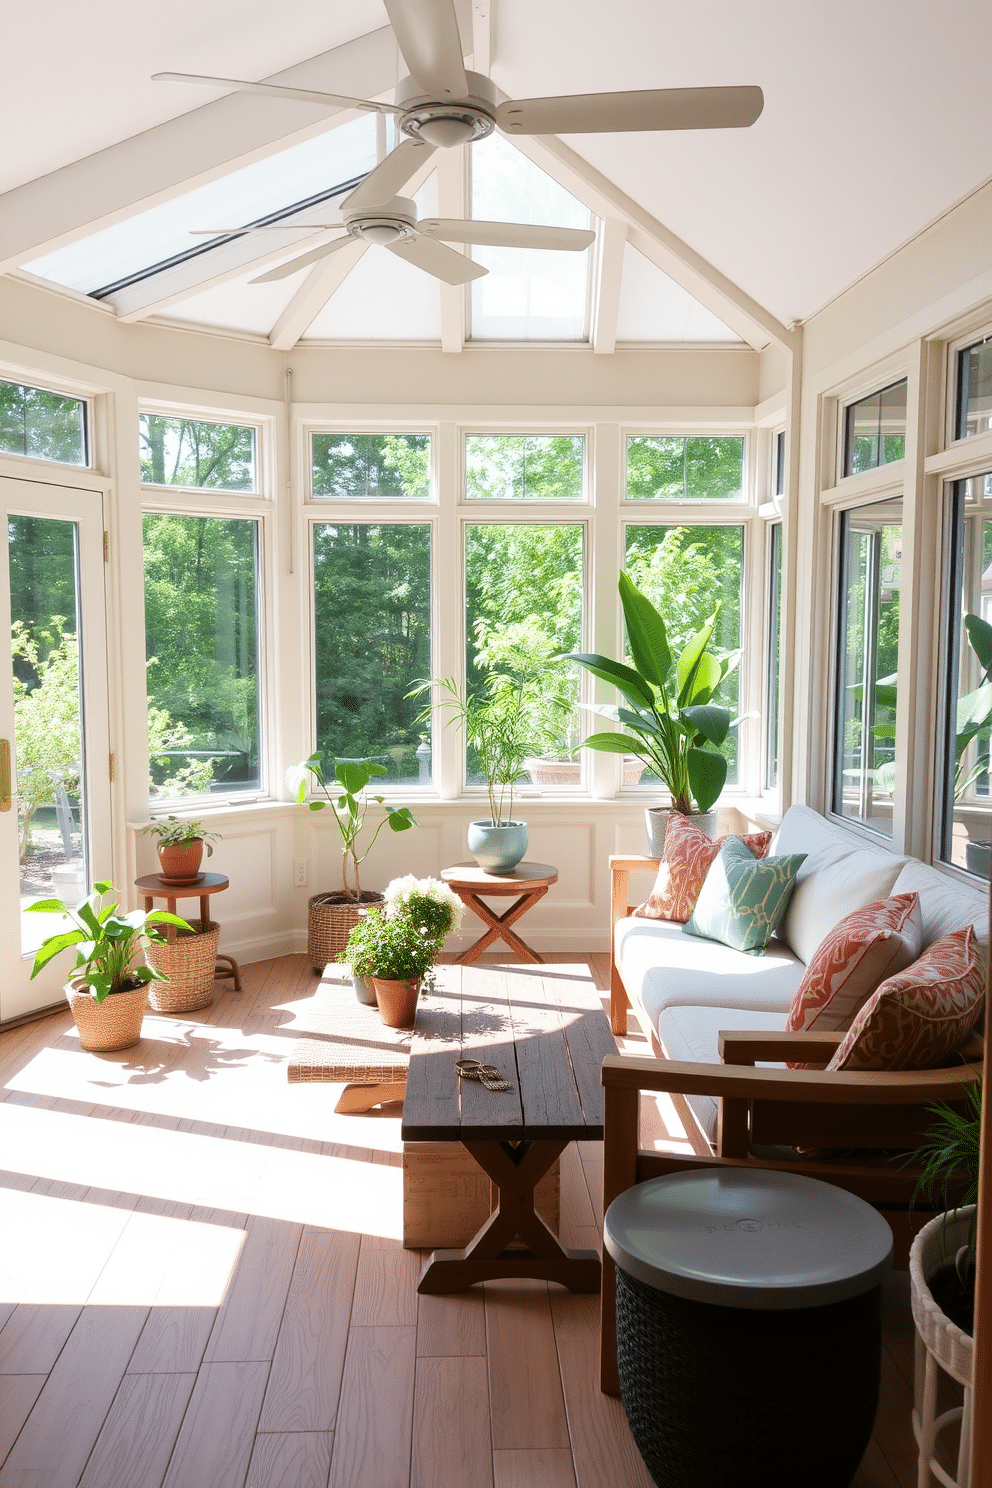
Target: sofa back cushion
<point>867,947</point>
<point>683,869</point>
<point>945,905</point>
<point>922,1017</point>
<point>742,901</point>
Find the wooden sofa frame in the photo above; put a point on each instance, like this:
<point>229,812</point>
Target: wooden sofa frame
<point>852,1114</point>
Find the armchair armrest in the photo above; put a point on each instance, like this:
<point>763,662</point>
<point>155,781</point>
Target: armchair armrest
<point>741,1047</point>
<point>621,867</point>
<point>623,1072</point>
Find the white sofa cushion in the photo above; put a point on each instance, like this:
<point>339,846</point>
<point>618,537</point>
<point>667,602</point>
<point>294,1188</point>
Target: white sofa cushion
<point>838,876</point>
<point>664,967</point>
<point>693,1034</point>
<point>945,904</point>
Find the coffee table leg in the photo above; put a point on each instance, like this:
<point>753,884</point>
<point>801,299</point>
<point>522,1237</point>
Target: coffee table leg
<point>516,1171</point>
<point>500,927</point>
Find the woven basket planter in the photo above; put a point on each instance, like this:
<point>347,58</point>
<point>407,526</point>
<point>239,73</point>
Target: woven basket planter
<point>938,1241</point>
<point>114,1023</point>
<point>330,920</point>
<point>188,962</point>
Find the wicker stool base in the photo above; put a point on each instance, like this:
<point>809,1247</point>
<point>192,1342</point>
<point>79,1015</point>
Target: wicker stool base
<point>722,1396</point>
<point>188,962</point>
<point>329,924</point>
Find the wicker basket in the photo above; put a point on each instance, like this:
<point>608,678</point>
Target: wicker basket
<point>188,962</point>
<point>114,1023</point>
<point>330,921</point>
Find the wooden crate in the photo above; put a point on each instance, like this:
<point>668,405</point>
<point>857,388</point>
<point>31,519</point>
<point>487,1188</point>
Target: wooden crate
<point>447,1197</point>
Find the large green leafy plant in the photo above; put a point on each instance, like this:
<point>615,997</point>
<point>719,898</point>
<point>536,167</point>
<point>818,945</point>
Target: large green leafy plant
<point>110,947</point>
<point>346,796</point>
<point>670,720</point>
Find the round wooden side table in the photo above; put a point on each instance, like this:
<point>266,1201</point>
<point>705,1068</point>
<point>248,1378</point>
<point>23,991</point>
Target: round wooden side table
<point>530,881</point>
<point>151,887</point>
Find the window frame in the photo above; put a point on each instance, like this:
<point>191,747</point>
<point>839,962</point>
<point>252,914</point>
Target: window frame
<point>550,430</point>
<point>746,502</point>
<point>254,423</point>
<point>353,426</point>
<point>59,388</point>
<point>850,403</point>
<point>979,332</point>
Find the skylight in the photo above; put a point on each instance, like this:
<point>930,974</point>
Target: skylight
<point>653,308</point>
<point>529,294</point>
<point>304,171</point>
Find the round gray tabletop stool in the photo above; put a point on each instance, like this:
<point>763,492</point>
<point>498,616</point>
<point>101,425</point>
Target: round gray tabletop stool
<point>748,1327</point>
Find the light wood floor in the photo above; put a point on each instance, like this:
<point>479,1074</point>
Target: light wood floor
<point>202,1285</point>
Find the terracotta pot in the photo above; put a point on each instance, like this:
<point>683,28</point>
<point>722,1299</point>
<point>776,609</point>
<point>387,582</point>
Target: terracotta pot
<point>397,1001</point>
<point>114,1023</point>
<point>179,863</point>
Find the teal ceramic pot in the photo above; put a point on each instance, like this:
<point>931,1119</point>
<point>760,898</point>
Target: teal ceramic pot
<point>497,849</point>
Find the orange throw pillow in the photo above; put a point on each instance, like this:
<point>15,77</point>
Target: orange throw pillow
<point>919,1019</point>
<point>688,855</point>
<point>869,945</point>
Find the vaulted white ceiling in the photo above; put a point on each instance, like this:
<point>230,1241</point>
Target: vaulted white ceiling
<point>873,125</point>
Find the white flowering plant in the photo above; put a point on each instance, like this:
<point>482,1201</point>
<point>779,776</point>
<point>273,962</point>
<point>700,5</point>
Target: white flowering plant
<point>429,903</point>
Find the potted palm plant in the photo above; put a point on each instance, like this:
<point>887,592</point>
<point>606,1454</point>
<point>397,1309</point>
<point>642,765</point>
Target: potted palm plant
<point>333,914</point>
<point>109,993</point>
<point>180,843</point>
<point>669,719</point>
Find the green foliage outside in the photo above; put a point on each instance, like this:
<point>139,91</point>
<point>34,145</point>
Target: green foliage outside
<point>46,719</point>
<point>675,467</point>
<point>388,466</point>
<point>187,452</point>
<point>45,426</point>
<point>522,467</point>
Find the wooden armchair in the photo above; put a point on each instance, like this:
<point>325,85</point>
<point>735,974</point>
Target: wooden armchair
<point>840,1127</point>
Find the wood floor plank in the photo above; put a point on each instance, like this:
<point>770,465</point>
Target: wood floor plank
<point>891,1423</point>
<point>386,1287</point>
<point>67,1417</point>
<point>524,1384</point>
<point>875,1472</point>
<point>453,1324</point>
<point>538,1468</point>
<point>18,1393</point>
<point>140,1431</point>
<point>184,1307</point>
<point>215,1442</point>
<point>248,1322</point>
<point>452,1444</point>
<point>173,1340</point>
<point>372,1440</point>
<point>290,1459</point>
<point>33,1337</point>
<point>603,1449</point>
<point>305,1380</point>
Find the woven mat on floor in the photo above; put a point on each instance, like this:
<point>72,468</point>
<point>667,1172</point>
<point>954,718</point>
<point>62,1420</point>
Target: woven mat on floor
<point>346,1041</point>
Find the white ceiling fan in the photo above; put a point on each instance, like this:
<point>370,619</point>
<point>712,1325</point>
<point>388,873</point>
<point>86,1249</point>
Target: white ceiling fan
<point>441,105</point>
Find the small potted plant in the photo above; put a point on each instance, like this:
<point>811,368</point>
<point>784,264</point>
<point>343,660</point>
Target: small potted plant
<point>180,844</point>
<point>109,993</point>
<point>435,909</point>
<point>333,915</point>
<point>401,953</point>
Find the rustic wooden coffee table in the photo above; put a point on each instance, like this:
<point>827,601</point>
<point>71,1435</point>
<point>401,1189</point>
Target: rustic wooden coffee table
<point>545,1030</point>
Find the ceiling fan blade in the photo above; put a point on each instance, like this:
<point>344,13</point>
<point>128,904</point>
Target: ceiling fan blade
<point>426,32</point>
<point>434,258</point>
<point>283,271</point>
<point>507,234</point>
<point>389,177</point>
<point>275,90</point>
<point>657,108</point>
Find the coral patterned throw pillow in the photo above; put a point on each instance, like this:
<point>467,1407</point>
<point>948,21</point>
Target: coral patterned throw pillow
<point>688,856</point>
<point>921,1018</point>
<point>864,949</point>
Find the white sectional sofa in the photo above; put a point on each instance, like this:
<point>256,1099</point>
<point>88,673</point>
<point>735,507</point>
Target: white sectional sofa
<point>686,991</point>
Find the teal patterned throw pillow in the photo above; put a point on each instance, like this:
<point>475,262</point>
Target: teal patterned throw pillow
<point>742,900</point>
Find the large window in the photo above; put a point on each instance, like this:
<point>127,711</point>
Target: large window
<point>43,425</point>
<point>372,642</point>
<point>774,656</point>
<point>975,389</point>
<point>523,608</point>
<point>875,429</point>
<point>386,467</point>
<point>688,573</point>
<point>201,629</point>
<point>665,467</point>
<point>196,454</point>
<point>870,572</point>
<point>966,811</point>
<point>524,467</point>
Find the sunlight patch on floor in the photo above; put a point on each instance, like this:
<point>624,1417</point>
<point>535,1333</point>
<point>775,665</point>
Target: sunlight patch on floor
<point>336,1193</point>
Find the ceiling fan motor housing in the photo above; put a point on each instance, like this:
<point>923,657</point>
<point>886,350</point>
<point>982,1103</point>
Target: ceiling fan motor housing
<point>448,123</point>
<point>390,223</point>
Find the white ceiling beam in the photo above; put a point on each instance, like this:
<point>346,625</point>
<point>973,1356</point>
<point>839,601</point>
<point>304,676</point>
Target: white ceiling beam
<point>323,280</point>
<point>208,271</point>
<point>482,35</point>
<point>756,325</point>
<point>609,272</point>
<point>452,201</point>
<point>173,158</point>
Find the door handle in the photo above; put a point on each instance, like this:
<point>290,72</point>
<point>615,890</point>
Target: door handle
<point>5,797</point>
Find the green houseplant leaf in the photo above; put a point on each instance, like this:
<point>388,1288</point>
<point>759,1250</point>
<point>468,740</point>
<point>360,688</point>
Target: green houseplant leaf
<point>646,633</point>
<point>347,797</point>
<point>110,947</point>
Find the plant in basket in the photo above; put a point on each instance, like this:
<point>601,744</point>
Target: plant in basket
<point>109,992</point>
<point>180,844</point>
<point>948,1162</point>
<point>333,915</point>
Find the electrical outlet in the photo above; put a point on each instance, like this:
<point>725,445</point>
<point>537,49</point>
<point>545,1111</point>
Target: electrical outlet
<point>301,872</point>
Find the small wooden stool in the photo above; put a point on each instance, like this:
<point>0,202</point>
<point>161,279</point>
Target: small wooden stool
<point>151,887</point>
<point>531,881</point>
